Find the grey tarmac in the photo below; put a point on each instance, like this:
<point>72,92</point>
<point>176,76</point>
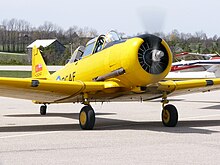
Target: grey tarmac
<point>125,133</point>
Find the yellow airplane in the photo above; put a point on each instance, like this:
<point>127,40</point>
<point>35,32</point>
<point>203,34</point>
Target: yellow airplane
<point>109,69</point>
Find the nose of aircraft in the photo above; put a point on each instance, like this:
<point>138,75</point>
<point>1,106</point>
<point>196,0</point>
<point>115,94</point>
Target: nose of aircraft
<point>157,55</point>
<point>153,55</point>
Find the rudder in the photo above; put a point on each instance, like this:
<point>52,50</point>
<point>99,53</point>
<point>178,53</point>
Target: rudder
<point>39,68</point>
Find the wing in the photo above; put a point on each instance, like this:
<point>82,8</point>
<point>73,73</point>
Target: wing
<point>48,91</point>
<point>188,86</point>
<point>170,88</point>
<point>197,62</point>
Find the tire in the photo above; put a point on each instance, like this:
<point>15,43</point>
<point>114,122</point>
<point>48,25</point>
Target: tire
<point>169,116</point>
<point>43,110</point>
<point>87,118</point>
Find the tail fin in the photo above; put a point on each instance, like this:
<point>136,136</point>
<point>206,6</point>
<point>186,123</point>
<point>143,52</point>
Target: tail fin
<point>39,68</point>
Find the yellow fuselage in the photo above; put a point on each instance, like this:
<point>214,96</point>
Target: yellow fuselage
<point>123,55</point>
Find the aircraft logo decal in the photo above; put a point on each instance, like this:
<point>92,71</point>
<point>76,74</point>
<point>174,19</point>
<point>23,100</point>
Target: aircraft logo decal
<point>38,68</point>
<point>58,78</point>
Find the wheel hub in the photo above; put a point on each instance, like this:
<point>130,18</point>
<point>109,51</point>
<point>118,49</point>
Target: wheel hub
<point>166,116</point>
<point>82,118</point>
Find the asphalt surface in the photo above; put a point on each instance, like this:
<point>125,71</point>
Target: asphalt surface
<point>125,133</point>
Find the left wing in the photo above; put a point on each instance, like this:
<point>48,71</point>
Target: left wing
<point>188,86</point>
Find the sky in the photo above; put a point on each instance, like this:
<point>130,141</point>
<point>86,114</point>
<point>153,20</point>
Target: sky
<point>127,16</point>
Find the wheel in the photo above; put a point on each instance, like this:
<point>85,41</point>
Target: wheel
<point>87,118</point>
<point>43,110</point>
<point>169,115</point>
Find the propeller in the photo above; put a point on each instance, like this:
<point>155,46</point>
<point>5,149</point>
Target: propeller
<point>152,55</point>
<point>152,18</point>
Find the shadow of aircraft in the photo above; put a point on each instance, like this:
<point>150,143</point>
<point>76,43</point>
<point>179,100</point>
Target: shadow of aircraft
<point>183,127</point>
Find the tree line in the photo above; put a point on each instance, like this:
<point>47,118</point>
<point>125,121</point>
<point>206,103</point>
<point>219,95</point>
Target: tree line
<point>198,42</point>
<point>16,34</point>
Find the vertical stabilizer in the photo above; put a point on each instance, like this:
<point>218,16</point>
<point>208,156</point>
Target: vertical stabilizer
<point>39,68</point>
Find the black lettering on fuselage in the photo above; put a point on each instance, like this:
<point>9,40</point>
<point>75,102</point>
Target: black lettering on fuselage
<point>70,77</point>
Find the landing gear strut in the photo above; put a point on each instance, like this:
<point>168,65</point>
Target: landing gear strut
<point>43,109</point>
<point>86,115</point>
<point>169,113</point>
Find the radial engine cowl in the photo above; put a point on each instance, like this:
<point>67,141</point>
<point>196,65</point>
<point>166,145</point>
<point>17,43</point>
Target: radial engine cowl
<point>152,54</point>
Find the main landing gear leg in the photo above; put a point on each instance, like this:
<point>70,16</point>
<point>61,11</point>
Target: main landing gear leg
<point>86,115</point>
<point>169,113</point>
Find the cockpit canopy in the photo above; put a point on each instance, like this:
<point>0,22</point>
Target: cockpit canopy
<point>112,36</point>
<point>77,54</point>
<point>95,45</point>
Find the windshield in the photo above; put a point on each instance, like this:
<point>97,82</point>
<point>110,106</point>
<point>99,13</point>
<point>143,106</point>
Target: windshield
<point>77,54</point>
<point>89,49</point>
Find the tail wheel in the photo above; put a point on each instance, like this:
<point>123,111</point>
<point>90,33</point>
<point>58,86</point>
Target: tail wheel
<point>169,115</point>
<point>87,118</point>
<point>43,110</point>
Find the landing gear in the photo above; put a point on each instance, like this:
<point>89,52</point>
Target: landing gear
<point>86,115</point>
<point>43,109</point>
<point>169,113</point>
<point>87,118</point>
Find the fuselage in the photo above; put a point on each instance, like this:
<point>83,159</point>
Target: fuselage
<point>119,56</point>
<point>132,65</point>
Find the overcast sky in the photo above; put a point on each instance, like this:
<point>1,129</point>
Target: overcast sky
<point>128,16</point>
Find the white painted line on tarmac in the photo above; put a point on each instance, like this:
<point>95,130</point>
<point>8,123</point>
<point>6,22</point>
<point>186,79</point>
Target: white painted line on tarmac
<point>197,117</point>
<point>116,125</point>
<point>30,134</point>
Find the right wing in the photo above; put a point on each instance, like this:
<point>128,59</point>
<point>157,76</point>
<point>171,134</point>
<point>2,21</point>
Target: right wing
<point>49,91</point>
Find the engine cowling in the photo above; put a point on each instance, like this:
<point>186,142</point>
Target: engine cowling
<point>146,59</point>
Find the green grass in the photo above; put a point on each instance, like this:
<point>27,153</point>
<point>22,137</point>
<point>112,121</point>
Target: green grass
<point>17,74</point>
<point>15,54</point>
<point>13,58</point>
